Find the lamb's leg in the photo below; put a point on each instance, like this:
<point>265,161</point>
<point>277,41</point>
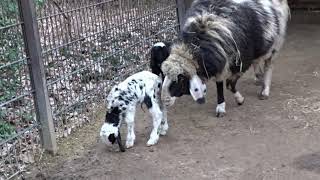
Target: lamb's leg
<point>164,122</point>
<point>130,125</point>
<point>157,117</point>
<point>268,67</point>
<point>231,83</point>
<point>221,107</point>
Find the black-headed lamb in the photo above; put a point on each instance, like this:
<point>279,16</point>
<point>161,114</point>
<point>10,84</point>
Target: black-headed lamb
<point>142,87</point>
<point>222,39</point>
<point>159,53</point>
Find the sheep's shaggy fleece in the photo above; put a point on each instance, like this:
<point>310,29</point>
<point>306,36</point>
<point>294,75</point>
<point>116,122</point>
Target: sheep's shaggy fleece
<point>221,32</point>
<point>223,38</point>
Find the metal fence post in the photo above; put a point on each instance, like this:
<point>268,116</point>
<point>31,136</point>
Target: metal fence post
<point>182,7</point>
<point>37,74</point>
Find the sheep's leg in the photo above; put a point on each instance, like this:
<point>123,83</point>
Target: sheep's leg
<point>231,83</point>
<point>258,74</point>
<point>221,107</point>
<point>130,125</point>
<point>164,122</point>
<point>268,67</point>
<point>157,117</point>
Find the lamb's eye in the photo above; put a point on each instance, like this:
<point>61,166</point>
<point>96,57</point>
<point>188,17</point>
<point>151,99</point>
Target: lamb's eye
<point>196,89</point>
<point>205,90</point>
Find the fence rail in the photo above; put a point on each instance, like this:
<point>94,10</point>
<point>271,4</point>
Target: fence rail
<point>58,58</point>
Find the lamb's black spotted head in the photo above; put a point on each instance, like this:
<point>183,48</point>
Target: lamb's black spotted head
<point>110,129</point>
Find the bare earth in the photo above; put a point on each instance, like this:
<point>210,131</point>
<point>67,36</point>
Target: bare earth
<point>275,139</point>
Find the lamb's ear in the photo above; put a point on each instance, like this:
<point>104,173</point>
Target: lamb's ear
<point>122,149</point>
<point>112,138</point>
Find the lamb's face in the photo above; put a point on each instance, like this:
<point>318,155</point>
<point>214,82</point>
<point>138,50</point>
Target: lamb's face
<point>109,133</point>
<point>110,129</point>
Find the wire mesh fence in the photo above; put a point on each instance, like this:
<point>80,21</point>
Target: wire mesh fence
<point>87,46</point>
<point>19,139</point>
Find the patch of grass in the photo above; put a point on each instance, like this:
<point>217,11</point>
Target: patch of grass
<point>6,130</point>
<point>75,145</point>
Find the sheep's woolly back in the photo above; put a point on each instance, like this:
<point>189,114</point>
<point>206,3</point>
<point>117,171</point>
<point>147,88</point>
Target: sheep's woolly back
<point>217,28</point>
<point>201,27</point>
<point>180,61</point>
<point>218,34</point>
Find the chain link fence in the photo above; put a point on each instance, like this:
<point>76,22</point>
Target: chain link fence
<point>86,47</point>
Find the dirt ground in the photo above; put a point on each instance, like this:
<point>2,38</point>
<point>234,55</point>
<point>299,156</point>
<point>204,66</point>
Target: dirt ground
<point>275,139</point>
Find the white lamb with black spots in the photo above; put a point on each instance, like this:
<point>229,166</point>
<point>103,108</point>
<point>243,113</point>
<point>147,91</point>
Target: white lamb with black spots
<point>142,87</point>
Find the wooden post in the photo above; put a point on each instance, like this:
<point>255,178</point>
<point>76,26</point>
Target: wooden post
<point>182,7</point>
<point>37,74</point>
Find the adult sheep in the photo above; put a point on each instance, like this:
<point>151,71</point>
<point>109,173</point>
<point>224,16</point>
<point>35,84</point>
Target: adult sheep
<point>222,39</point>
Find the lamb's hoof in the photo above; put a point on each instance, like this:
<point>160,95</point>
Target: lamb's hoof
<point>152,142</point>
<point>241,102</point>
<point>163,132</point>
<point>129,144</point>
<point>163,128</point>
<point>220,114</point>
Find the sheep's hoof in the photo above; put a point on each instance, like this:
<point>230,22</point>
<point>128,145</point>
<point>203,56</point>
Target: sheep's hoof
<point>221,109</point>
<point>228,84</point>
<point>263,97</point>
<point>258,80</point>
<point>220,114</point>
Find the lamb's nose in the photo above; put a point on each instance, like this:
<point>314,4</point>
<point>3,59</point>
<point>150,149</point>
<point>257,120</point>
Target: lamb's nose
<point>201,100</point>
